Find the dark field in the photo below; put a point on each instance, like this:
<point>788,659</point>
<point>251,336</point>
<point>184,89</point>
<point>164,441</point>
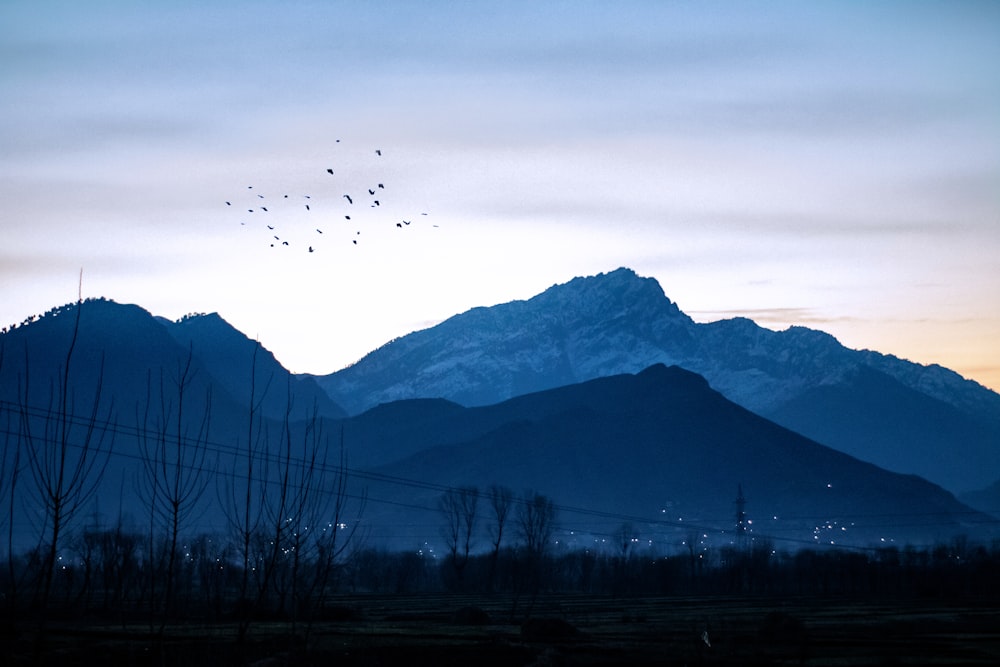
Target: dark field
<point>560,630</point>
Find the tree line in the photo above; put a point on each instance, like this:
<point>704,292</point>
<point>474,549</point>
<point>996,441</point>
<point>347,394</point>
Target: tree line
<point>109,572</point>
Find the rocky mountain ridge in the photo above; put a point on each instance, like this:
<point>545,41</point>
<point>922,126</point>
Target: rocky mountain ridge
<point>619,322</point>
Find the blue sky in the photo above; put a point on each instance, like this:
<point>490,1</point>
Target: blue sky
<point>831,164</point>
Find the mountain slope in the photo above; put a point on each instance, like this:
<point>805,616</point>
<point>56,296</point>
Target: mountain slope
<point>228,355</point>
<point>587,330</point>
<point>138,358</point>
<point>664,451</point>
<point>137,387</point>
<point>621,323</point>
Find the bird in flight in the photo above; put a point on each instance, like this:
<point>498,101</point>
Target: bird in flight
<point>293,230</point>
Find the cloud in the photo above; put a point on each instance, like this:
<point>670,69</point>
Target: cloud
<point>764,316</point>
<point>833,112</point>
<point>20,267</point>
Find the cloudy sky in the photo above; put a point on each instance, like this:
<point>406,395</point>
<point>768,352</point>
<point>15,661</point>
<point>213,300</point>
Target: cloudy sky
<point>830,164</point>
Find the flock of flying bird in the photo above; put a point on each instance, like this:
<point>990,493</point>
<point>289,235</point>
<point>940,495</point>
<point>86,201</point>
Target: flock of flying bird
<point>285,230</point>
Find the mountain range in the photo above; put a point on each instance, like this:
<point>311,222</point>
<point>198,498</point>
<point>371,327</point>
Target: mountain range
<point>660,450</point>
<point>599,393</point>
<point>902,416</point>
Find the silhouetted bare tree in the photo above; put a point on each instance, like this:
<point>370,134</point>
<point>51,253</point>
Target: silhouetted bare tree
<point>624,541</point>
<point>309,518</point>
<point>536,517</point>
<point>338,533</point>
<point>501,499</point>
<point>67,452</point>
<point>458,508</point>
<point>118,565</point>
<point>174,457</point>
<point>281,506</point>
<point>243,492</point>
<point>10,469</point>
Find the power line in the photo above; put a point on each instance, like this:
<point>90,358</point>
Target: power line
<point>268,457</point>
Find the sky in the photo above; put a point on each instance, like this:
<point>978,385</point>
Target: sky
<point>827,164</point>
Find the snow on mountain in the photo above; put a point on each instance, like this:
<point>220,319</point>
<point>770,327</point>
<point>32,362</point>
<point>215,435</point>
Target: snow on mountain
<point>619,322</point>
<point>579,331</point>
<point>589,327</point>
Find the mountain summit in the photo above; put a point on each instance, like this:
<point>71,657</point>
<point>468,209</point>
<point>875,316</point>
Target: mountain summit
<point>906,417</point>
<point>587,328</point>
<point>139,357</point>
